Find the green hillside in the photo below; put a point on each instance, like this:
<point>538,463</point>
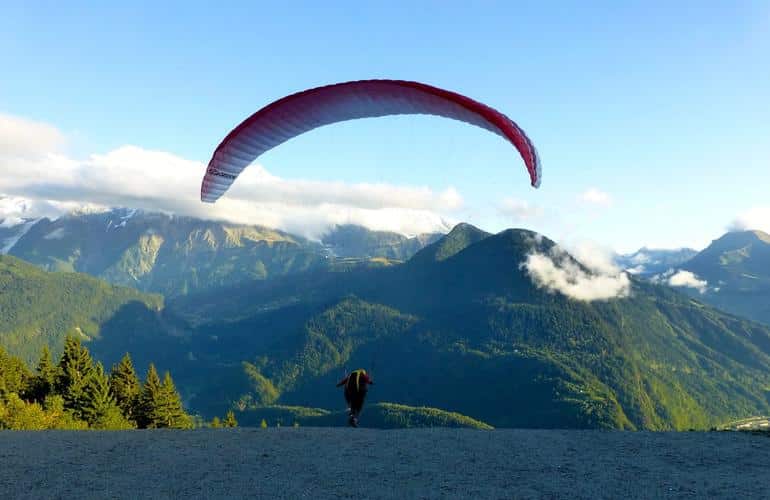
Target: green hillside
<point>461,237</point>
<point>39,308</point>
<point>378,415</point>
<point>471,333</point>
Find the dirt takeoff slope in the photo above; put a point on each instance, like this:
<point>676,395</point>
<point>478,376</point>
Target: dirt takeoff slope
<point>366,463</point>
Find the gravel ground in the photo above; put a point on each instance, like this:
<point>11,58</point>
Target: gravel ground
<point>365,463</point>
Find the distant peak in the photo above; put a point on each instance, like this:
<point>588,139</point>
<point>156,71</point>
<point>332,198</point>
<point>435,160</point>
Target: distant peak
<point>459,238</point>
<point>464,227</point>
<point>524,233</point>
<point>748,235</point>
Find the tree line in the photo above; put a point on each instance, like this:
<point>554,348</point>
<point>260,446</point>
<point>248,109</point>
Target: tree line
<point>77,393</point>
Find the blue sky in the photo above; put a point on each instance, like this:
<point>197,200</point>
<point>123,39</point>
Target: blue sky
<point>659,111</point>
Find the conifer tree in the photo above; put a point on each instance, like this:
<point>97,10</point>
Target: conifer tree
<point>75,370</point>
<point>148,399</point>
<point>215,423</point>
<point>46,370</point>
<point>100,409</point>
<point>161,405</point>
<point>263,425</point>
<point>172,412</point>
<point>125,387</point>
<point>42,384</point>
<point>230,420</point>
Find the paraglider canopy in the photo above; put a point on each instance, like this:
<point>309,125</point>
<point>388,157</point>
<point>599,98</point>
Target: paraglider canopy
<point>298,113</point>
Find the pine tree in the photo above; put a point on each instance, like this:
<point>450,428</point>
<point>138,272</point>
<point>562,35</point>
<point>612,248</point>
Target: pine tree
<point>61,382</point>
<point>171,410</point>
<point>42,384</point>
<point>125,386</point>
<point>146,417</point>
<point>215,423</point>
<point>100,410</point>
<point>161,405</point>
<point>75,370</point>
<point>230,420</point>
<point>46,370</point>
<point>263,425</point>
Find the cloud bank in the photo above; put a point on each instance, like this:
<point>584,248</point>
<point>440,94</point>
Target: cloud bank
<point>39,181</point>
<point>756,218</point>
<point>597,279</point>
<point>596,197</point>
<point>22,138</point>
<point>685,279</point>
<point>15,210</point>
<point>689,280</point>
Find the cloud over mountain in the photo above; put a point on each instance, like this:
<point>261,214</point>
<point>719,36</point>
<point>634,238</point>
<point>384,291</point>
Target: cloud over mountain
<point>688,279</point>
<point>154,180</point>
<point>682,278</point>
<point>597,279</point>
<point>756,218</point>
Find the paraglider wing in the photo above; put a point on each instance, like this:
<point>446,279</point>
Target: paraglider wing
<point>298,113</point>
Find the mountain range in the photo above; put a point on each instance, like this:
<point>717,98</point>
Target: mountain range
<point>736,271</point>
<point>649,261</point>
<point>732,273</point>
<point>350,241</point>
<point>172,255</point>
<point>461,326</point>
<point>266,322</point>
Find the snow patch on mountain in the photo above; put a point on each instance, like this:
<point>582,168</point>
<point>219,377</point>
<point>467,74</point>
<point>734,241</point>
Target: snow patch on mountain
<point>7,243</point>
<point>56,234</point>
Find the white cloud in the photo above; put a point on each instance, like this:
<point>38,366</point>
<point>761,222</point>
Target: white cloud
<point>687,279</point>
<point>519,210</point>
<point>255,183</point>
<point>595,257</point>
<point>598,279</point>
<point>596,197</point>
<point>451,198</point>
<point>15,210</point>
<point>24,138</point>
<point>756,218</point>
<point>134,177</point>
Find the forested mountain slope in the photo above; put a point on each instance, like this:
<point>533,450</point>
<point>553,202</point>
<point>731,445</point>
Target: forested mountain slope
<point>471,333</point>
